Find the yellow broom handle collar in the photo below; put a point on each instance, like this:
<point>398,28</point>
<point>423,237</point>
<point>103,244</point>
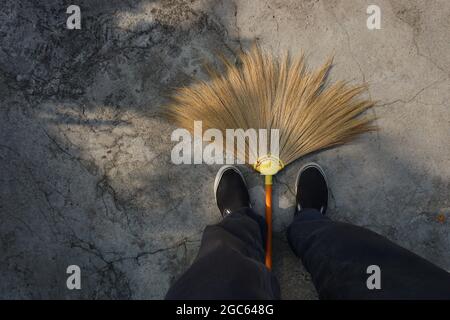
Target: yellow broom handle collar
<point>268,165</point>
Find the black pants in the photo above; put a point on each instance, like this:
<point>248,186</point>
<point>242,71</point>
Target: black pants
<point>230,263</point>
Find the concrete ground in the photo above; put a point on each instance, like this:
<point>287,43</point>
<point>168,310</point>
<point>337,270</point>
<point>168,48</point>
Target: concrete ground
<point>85,171</point>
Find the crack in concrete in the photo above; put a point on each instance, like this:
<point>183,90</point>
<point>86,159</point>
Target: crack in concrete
<point>413,97</point>
<point>415,33</point>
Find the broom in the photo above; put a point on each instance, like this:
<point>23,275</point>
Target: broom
<point>265,92</point>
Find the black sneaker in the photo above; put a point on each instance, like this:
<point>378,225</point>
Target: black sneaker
<point>230,190</point>
<point>311,188</point>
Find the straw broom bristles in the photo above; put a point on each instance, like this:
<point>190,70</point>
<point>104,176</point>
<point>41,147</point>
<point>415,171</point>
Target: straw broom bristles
<point>263,92</point>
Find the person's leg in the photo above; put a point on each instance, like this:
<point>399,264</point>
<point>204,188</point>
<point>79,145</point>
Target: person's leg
<point>230,262</point>
<point>338,254</point>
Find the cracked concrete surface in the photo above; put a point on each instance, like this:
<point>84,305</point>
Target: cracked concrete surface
<point>85,167</point>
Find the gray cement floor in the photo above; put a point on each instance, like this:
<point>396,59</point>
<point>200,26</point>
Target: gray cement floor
<point>85,171</point>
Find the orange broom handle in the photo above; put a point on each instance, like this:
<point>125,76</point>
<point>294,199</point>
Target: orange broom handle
<point>268,187</point>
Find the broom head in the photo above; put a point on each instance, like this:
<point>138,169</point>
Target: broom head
<point>262,91</point>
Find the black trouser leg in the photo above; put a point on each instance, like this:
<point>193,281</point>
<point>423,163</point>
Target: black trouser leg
<point>338,254</point>
<point>230,263</point>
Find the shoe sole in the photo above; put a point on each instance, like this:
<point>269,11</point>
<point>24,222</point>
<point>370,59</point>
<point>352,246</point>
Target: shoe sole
<point>220,174</point>
<point>318,167</point>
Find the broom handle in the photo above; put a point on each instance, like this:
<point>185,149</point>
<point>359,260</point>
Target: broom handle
<point>268,187</point>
